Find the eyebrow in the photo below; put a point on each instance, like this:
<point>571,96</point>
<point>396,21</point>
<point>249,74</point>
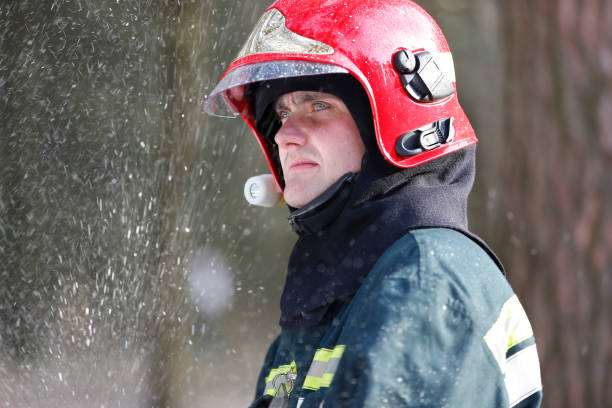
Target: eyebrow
<point>306,97</point>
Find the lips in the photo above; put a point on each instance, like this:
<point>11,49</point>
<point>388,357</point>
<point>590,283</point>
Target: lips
<point>305,165</point>
<point>301,163</point>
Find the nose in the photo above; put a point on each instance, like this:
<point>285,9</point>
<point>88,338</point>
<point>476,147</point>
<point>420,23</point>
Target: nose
<point>292,132</point>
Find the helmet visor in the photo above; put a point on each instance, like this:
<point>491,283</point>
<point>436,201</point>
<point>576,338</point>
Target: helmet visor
<point>218,101</point>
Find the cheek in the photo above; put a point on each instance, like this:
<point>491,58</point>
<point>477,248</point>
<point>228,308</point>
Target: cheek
<point>345,149</point>
<point>352,139</point>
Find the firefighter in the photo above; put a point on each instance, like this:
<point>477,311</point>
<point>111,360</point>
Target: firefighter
<point>389,300</point>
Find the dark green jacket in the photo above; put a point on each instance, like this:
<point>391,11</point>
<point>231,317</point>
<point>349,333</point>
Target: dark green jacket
<point>435,324</point>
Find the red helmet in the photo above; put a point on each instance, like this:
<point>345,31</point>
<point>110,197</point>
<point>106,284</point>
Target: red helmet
<point>393,48</point>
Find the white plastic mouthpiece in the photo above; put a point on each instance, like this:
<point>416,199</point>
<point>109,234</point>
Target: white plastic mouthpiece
<point>262,191</point>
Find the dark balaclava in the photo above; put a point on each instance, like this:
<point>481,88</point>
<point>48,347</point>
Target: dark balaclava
<point>346,229</point>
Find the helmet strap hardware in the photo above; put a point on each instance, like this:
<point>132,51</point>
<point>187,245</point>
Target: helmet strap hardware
<point>425,138</point>
<point>421,76</point>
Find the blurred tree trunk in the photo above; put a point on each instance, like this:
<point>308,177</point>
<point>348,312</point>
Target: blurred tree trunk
<point>557,188</point>
<point>175,381</point>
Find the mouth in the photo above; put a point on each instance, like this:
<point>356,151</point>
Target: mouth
<point>302,164</point>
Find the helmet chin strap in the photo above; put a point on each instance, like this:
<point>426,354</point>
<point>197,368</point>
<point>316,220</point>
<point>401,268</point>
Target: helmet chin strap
<point>324,209</point>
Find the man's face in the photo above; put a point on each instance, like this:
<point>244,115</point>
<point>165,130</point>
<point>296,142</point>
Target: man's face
<point>318,143</point>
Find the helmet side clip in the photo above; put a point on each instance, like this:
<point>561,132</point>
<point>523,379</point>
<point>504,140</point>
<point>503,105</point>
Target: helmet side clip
<point>425,138</point>
<point>421,76</point>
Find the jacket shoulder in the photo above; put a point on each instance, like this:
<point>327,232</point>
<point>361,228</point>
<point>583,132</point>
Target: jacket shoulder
<point>438,296</point>
<point>445,262</point>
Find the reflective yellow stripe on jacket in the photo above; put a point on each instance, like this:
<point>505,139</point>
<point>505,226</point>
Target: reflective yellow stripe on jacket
<point>323,367</point>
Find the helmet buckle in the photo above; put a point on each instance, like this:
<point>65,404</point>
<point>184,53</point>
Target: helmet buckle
<point>425,138</point>
<point>429,140</point>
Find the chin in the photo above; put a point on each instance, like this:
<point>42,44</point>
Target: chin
<point>296,202</point>
<point>298,199</point>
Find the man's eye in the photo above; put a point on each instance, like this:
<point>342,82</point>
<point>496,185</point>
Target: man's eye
<point>320,106</point>
<point>283,114</point>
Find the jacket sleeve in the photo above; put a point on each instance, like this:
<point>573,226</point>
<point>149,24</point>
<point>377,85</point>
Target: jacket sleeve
<point>413,342</point>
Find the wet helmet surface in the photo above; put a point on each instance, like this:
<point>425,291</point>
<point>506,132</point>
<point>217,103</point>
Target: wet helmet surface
<point>393,48</point>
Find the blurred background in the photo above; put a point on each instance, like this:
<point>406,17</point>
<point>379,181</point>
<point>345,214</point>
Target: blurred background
<point>132,272</point>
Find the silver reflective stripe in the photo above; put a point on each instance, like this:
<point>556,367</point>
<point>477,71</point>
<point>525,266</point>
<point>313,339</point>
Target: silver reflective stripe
<point>332,366</point>
<point>522,375</point>
<point>323,367</point>
<point>511,328</point>
<point>510,339</point>
<point>318,368</point>
<point>269,387</point>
